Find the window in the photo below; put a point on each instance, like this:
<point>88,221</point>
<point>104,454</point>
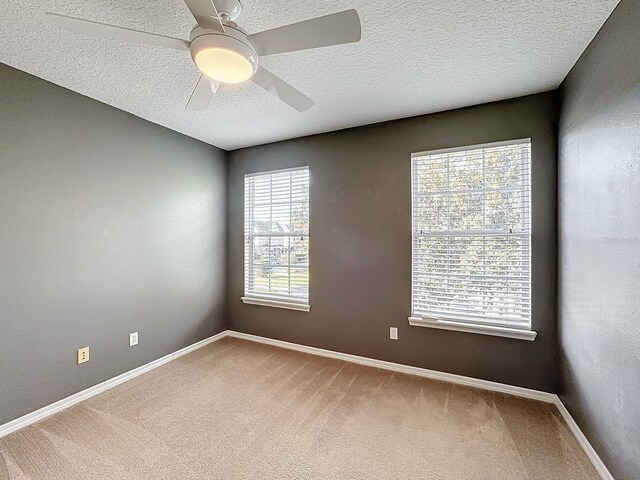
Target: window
<point>276,239</point>
<point>472,239</point>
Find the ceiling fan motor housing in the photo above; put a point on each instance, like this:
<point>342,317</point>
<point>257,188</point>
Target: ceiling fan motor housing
<point>233,39</point>
<point>229,9</point>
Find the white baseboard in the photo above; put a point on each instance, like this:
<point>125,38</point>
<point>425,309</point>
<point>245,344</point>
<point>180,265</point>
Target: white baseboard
<point>597,462</point>
<point>398,367</point>
<point>44,412</point>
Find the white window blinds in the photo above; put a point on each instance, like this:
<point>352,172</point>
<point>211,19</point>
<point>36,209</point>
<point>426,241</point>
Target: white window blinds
<point>472,235</point>
<point>276,236</point>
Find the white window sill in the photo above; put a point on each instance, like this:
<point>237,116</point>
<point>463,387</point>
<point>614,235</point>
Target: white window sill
<point>277,304</point>
<point>471,328</point>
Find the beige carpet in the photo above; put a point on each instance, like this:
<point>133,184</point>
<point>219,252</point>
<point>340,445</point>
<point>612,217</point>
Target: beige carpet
<point>241,410</point>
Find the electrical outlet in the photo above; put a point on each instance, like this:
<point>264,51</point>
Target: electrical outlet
<point>83,355</point>
<point>133,339</point>
<point>393,333</point>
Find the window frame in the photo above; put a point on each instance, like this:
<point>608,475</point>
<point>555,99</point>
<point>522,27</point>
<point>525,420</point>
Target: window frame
<point>522,332</point>
<point>253,298</point>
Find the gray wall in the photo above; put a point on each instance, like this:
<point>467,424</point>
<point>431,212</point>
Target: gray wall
<point>599,217</point>
<point>360,274</point>
<point>108,225</point>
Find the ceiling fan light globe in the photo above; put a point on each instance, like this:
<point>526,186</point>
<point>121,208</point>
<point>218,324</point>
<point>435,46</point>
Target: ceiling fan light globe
<point>226,58</point>
<point>224,65</point>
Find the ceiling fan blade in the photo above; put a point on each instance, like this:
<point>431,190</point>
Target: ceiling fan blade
<point>202,94</point>
<point>285,92</point>
<point>206,14</point>
<point>334,29</point>
<point>87,27</point>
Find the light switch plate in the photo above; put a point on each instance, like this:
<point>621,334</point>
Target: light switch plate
<point>83,355</point>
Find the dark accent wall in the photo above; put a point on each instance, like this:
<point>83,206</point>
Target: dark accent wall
<point>360,243</point>
<point>599,218</point>
<point>109,224</point>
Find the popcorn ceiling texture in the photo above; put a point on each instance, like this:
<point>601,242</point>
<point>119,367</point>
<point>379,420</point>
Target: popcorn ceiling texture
<point>415,57</point>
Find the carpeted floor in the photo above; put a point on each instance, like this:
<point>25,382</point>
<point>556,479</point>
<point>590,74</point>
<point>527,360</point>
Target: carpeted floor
<point>242,410</point>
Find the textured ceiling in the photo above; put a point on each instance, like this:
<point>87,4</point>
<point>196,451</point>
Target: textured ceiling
<point>415,57</point>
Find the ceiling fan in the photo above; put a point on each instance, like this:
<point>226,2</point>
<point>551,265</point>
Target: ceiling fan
<point>225,53</point>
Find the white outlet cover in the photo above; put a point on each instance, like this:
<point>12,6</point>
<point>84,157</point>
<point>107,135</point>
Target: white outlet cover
<point>133,339</point>
<point>393,333</point>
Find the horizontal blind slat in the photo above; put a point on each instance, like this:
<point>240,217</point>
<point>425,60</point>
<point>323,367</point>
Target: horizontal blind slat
<point>276,235</point>
<point>471,213</point>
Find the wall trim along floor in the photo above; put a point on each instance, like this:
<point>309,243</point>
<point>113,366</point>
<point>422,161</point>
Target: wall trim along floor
<point>67,402</point>
<point>60,405</point>
<point>597,462</point>
<point>398,367</point>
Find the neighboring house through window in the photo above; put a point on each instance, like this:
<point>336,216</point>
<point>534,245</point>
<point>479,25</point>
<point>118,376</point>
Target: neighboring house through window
<point>276,238</point>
